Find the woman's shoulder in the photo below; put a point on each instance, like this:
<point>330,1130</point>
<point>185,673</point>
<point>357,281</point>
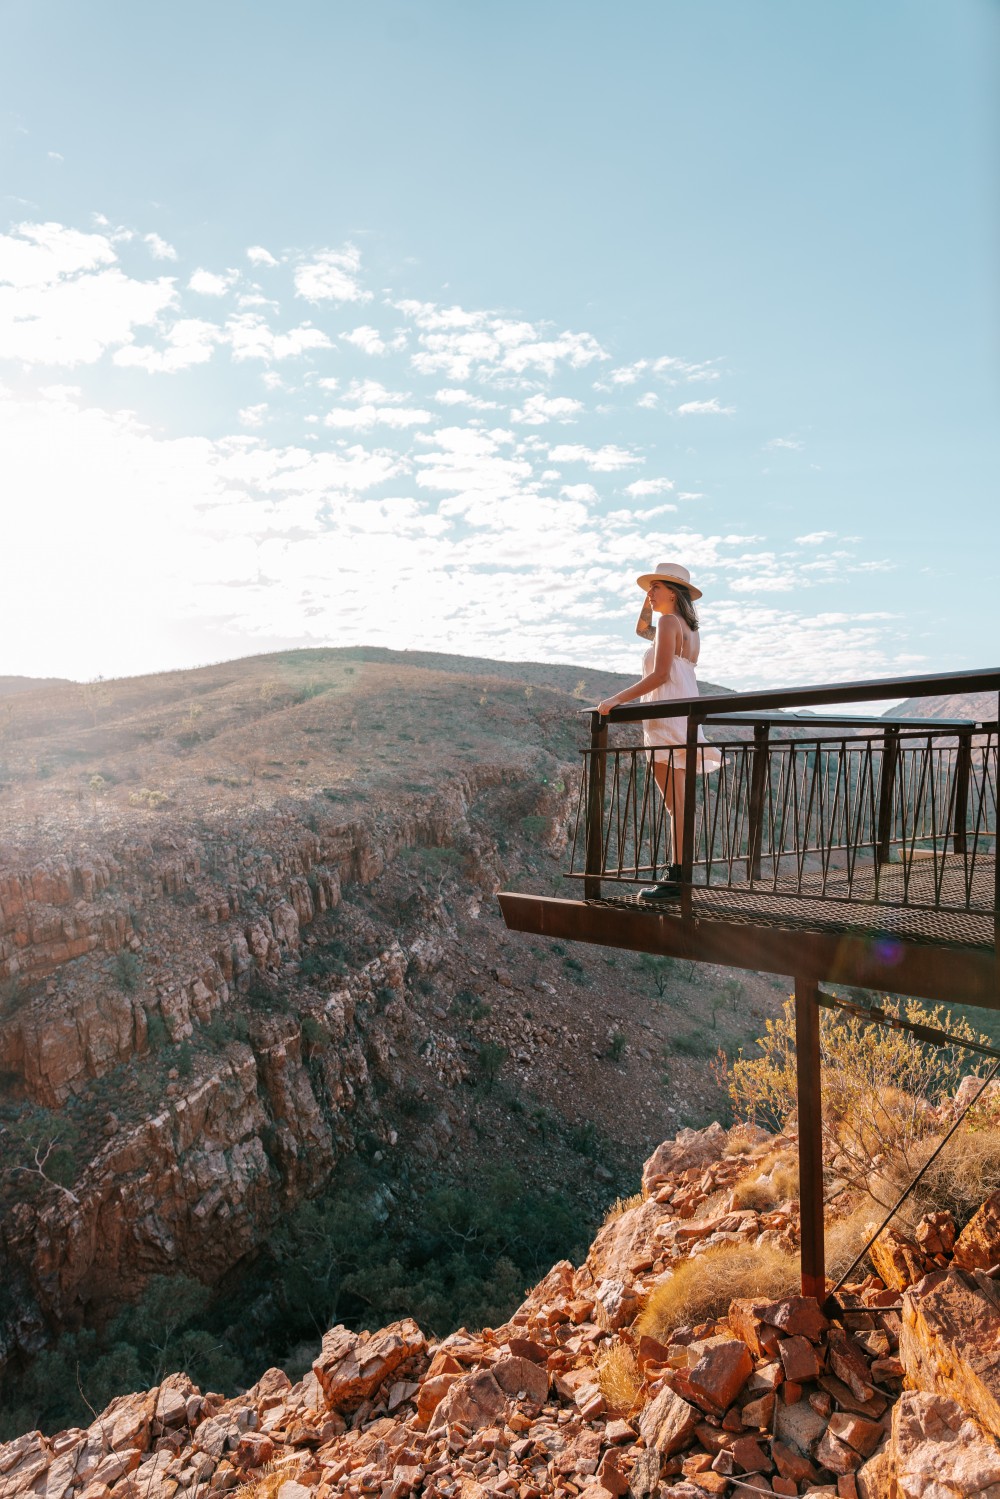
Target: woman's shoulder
<point>669,623</point>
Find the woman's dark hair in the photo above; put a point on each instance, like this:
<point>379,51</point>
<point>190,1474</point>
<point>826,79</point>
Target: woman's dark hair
<point>685,604</point>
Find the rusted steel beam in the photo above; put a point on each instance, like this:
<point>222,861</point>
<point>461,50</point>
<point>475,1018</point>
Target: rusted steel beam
<point>961,975</point>
<point>877,690</point>
<point>596,771</point>
<point>808,1085</point>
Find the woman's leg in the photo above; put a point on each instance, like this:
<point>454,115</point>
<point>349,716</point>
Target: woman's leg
<point>670,780</point>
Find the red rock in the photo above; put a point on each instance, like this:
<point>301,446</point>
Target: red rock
<point>796,1316</point>
<point>517,1376</point>
<point>799,1359</point>
<point>618,1432</point>
<point>934,1439</point>
<point>667,1423</point>
<point>698,1462</point>
<point>847,1486</point>
<point>749,1456</point>
<point>350,1368</point>
<point>649,1351</point>
<point>849,1363</point>
<point>254,1450</point>
<point>527,1348</point>
<point>791,1464</point>
<point>430,1394</point>
<point>845,1397</point>
<point>720,1372</point>
<point>791,1392</point>
<point>857,1431</point>
<point>473,1401</point>
<point>978,1245</point>
<point>746,1322</point>
<point>936,1233</point>
<point>836,1455</point>
<point>610,1474</point>
<point>759,1412</point>
<point>784,1486</point>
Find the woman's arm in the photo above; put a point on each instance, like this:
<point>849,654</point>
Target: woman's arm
<point>644,627</point>
<point>667,635</point>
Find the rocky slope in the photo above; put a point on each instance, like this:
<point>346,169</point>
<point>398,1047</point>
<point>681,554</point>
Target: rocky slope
<point>235,942</point>
<point>893,1394</point>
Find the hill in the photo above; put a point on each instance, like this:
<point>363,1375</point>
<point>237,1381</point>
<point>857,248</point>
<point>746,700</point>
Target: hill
<point>252,976</point>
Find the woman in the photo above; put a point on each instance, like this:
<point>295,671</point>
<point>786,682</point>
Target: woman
<point>668,672</point>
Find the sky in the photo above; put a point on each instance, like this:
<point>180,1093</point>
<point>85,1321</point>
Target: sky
<point>429,324</point>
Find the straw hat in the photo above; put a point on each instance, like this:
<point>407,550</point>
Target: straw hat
<point>669,572</point>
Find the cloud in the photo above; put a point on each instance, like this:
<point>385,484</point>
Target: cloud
<point>366,416</point>
<point>603,460</point>
<point>456,397</point>
<point>585,493</point>
<point>459,344</point>
<point>331,276</point>
<point>252,338</point>
<point>539,409</point>
<point>43,254</point>
<point>62,300</point>
<point>187,342</point>
<point>785,442</point>
<point>371,392</point>
<point>641,487</point>
<point>253,416</point>
<point>208,284</point>
<point>367,339</point>
<point>649,401</point>
<point>257,255</point>
<point>815,538</point>
<point>159,248</point>
<point>705,408</point>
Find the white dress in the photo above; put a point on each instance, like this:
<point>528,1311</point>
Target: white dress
<point>667,733</point>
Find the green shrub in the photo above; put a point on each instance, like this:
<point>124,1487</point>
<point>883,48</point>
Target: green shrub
<point>313,1032</point>
<point>490,1059</point>
<point>156,1030</point>
<point>616,1046</point>
<point>126,970</point>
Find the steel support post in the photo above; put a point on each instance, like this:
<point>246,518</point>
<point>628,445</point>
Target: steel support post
<point>963,775</point>
<point>887,786</point>
<point>810,1111</point>
<point>596,773</point>
<point>687,832</point>
<point>759,774</point>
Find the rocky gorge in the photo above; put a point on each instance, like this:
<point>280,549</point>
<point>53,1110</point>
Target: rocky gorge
<point>892,1392</point>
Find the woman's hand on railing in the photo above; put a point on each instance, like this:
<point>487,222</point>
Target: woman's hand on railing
<point>604,708</point>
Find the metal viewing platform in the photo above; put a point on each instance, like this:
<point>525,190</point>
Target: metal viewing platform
<point>830,849</point>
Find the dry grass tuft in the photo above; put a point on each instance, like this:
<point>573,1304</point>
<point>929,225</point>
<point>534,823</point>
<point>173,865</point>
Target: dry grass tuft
<point>776,1181</point>
<point>619,1378</point>
<point>965,1173</point>
<point>265,1484</point>
<point>621,1205</point>
<point>847,1236</point>
<point>742,1138</point>
<point>703,1287</point>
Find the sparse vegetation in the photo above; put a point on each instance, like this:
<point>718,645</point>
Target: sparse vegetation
<point>880,1087</point>
<point>126,970</point>
<point>703,1287</point>
<point>618,1377</point>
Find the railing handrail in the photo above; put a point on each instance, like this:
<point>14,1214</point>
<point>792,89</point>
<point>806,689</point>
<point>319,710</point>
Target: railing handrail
<point>935,685</point>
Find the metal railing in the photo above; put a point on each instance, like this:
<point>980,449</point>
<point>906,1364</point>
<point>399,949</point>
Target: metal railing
<point>882,811</point>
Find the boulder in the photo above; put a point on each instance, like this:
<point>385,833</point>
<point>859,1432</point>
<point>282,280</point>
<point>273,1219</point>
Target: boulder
<point>950,1343</point>
<point>978,1245</point>
<point>475,1400</point>
<point>690,1147</point>
<point>939,1452</point>
<point>668,1422</point>
<point>351,1368</point>
<point>720,1369</point>
<point>521,1376</point>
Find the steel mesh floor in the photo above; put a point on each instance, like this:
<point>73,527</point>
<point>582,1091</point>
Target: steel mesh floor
<point>924,883</point>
